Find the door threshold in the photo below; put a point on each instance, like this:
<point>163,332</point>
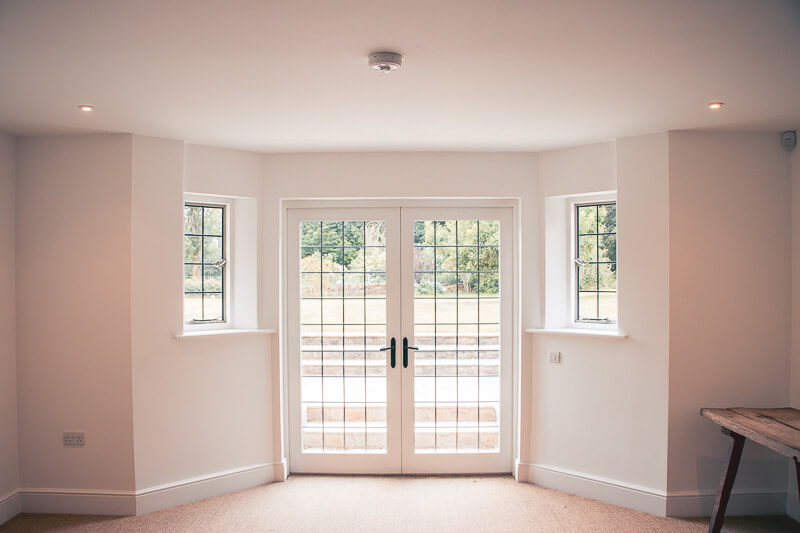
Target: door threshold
<point>454,475</point>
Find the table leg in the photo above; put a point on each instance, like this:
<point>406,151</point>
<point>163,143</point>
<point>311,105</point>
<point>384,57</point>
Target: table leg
<point>726,483</point>
<point>797,469</point>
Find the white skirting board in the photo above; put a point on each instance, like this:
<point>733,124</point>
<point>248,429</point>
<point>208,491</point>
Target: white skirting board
<point>78,501</point>
<point>742,502</point>
<point>677,504</point>
<point>792,505</point>
<point>606,490</point>
<point>127,503</point>
<point>189,490</point>
<point>10,505</point>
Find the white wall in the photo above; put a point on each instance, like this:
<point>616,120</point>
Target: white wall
<point>730,279</point>
<point>202,405</point>
<point>99,240</point>
<point>599,417</point>
<point>73,311</point>
<point>9,456</point>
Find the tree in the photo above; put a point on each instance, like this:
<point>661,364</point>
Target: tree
<point>607,223</point>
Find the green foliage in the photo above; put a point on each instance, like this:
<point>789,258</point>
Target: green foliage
<point>191,278</point>
<point>594,219</point>
<point>192,219</point>
<point>311,234</point>
<point>191,249</point>
<point>451,248</point>
<point>424,285</point>
<point>462,232</point>
<point>608,277</point>
<point>211,278</point>
<point>356,246</point>
<point>419,232</point>
<point>587,247</point>
<point>212,249</point>
<point>341,244</point>
<point>607,220</point>
<point>587,219</point>
<point>588,277</point>
<point>212,221</point>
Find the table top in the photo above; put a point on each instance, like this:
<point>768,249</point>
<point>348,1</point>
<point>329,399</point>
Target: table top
<point>777,429</point>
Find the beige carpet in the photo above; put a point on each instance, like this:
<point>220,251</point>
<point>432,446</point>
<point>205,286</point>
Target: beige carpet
<point>394,504</point>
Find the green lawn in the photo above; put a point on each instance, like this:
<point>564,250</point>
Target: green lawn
<point>427,311</point>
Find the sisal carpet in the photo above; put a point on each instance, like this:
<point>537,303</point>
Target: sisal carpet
<point>394,504</point>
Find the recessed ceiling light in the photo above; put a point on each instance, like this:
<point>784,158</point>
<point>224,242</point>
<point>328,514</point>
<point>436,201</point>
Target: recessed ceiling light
<point>86,108</point>
<point>716,105</point>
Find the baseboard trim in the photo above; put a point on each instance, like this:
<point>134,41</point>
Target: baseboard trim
<point>127,503</point>
<point>78,501</point>
<point>742,502</point>
<point>658,502</point>
<point>10,505</point>
<point>792,506</point>
<point>520,471</point>
<point>201,487</point>
<point>282,469</point>
<point>607,490</point>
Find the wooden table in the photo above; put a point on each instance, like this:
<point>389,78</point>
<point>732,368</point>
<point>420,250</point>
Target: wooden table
<point>777,429</point>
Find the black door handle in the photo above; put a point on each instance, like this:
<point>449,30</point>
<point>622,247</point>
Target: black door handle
<point>406,348</point>
<point>392,346</point>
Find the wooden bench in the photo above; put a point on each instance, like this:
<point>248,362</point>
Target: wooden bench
<point>777,429</point>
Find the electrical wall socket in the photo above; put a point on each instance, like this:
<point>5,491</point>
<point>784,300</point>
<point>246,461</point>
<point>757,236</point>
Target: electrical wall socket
<point>73,439</point>
<point>555,357</point>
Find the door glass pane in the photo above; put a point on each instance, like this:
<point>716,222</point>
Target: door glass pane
<point>343,327</point>
<point>456,328</point>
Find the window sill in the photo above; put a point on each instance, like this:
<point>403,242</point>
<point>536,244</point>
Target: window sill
<point>580,332</point>
<point>222,333</point>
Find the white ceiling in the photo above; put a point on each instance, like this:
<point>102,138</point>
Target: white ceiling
<point>494,75</point>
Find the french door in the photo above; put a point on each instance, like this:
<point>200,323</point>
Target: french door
<point>399,339</point>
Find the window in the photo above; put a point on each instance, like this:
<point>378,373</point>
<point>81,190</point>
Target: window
<point>596,262</point>
<point>204,263</point>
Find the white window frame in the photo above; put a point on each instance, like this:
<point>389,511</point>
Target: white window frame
<point>573,295</point>
<point>227,282</point>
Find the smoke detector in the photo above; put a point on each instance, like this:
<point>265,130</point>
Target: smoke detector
<point>385,61</point>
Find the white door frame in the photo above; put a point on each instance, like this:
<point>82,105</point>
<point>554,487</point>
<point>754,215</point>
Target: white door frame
<point>513,203</point>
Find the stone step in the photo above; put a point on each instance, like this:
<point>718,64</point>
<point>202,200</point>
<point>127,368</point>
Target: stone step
<point>461,440</point>
<point>372,413</point>
<point>344,440</point>
<point>470,368</point>
<point>463,369</point>
<point>424,352</point>
<point>380,340</point>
